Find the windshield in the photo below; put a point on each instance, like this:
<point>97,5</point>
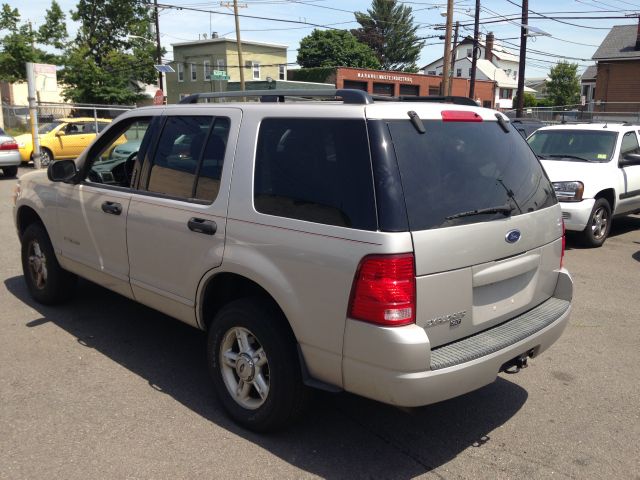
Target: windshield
<point>47,127</point>
<point>579,145</point>
<point>465,172</point>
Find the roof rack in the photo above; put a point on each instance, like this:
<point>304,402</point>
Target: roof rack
<point>351,96</point>
<point>431,98</point>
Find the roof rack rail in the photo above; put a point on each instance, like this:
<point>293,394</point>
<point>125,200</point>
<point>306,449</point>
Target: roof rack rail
<point>431,98</point>
<point>350,96</point>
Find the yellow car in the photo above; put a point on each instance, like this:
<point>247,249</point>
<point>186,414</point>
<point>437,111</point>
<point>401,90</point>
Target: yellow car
<point>62,139</point>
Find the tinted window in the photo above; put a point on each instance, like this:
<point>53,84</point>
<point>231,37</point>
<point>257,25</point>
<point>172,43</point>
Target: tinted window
<point>315,170</point>
<point>587,145</point>
<point>208,181</point>
<point>629,144</point>
<point>176,159</point>
<point>459,167</point>
<point>2,132</point>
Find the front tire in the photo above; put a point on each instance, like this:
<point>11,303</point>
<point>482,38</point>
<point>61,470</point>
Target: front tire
<point>47,281</point>
<point>599,224</point>
<point>254,365</point>
<point>46,157</point>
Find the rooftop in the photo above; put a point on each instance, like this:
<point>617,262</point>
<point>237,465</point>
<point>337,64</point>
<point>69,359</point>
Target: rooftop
<point>224,39</point>
<point>620,43</point>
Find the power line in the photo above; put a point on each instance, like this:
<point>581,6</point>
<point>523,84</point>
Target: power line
<point>566,23</point>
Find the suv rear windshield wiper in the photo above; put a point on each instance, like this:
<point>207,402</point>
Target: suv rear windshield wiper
<point>504,209</point>
<point>574,157</point>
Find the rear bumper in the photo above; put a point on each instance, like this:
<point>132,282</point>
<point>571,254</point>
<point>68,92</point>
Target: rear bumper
<point>398,366</point>
<point>576,214</point>
<point>9,159</point>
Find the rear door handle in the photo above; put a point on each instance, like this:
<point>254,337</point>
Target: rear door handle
<point>114,208</point>
<point>200,225</point>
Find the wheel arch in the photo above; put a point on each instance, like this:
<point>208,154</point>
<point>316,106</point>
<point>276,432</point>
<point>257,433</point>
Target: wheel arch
<point>609,195</point>
<point>26,216</point>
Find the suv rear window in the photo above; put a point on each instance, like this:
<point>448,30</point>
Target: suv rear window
<point>458,167</point>
<point>318,170</point>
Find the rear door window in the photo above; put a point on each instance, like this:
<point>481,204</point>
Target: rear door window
<point>318,170</point>
<point>187,163</point>
<point>458,167</point>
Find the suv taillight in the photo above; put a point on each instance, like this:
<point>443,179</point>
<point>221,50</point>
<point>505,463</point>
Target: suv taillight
<point>384,290</point>
<point>9,145</point>
<point>564,244</point>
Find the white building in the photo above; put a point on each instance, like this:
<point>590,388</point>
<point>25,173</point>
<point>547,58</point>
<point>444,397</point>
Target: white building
<point>494,63</point>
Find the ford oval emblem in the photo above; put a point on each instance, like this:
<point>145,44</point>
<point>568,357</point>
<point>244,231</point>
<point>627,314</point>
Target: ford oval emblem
<point>512,236</point>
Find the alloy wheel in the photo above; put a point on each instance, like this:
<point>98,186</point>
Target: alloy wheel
<point>37,265</point>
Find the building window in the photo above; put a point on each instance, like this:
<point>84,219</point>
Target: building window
<point>411,90</point>
<point>459,72</point>
<point>194,73</point>
<point>431,72</point>
<point>385,89</point>
<point>282,72</point>
<point>180,72</point>
<point>506,93</point>
<point>469,52</point>
<point>255,66</point>
<point>470,72</point>
<point>220,65</point>
<point>207,70</point>
<point>486,103</point>
<point>434,90</point>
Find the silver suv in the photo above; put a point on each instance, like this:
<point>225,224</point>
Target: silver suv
<point>403,251</point>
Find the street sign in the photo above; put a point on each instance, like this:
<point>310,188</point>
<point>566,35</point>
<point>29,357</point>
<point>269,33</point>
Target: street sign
<point>218,75</point>
<point>158,98</point>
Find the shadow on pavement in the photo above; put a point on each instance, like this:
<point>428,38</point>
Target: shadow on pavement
<point>620,226</point>
<point>340,436</point>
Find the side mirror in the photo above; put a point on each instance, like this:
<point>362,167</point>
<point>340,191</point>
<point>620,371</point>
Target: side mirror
<point>630,159</point>
<point>62,171</point>
<point>60,133</point>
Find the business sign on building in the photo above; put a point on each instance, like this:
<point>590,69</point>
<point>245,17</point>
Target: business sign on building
<point>385,76</point>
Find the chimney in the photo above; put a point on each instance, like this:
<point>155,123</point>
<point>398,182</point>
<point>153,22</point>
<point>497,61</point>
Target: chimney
<point>488,49</point>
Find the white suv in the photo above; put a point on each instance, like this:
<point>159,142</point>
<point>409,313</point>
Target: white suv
<point>403,251</point>
<point>595,170</point>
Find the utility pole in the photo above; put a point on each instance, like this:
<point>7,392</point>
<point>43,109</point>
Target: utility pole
<point>453,56</point>
<point>158,47</point>
<point>523,56</point>
<point>476,51</point>
<point>239,43</point>
<point>447,48</point>
<point>33,113</point>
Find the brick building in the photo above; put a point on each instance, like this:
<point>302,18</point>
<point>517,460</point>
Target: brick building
<point>380,82</point>
<point>618,69</point>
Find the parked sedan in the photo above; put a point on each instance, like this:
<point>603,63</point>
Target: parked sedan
<point>61,139</point>
<point>9,155</point>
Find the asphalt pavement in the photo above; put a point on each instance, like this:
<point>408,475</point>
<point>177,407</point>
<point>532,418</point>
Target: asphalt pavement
<point>105,388</point>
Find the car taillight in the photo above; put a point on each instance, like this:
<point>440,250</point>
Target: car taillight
<point>460,116</point>
<point>564,244</point>
<point>384,290</point>
<point>9,145</point>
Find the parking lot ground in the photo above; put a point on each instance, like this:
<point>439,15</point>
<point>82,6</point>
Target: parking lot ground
<point>105,388</point>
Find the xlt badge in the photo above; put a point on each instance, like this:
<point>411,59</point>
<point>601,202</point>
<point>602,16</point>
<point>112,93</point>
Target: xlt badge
<point>454,319</point>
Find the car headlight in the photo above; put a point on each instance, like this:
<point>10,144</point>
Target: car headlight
<point>569,191</point>
<point>17,190</point>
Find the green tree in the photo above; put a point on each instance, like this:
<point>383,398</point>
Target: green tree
<point>388,29</point>
<point>111,57</point>
<point>563,87</point>
<point>335,48</point>
<point>529,100</point>
<point>20,43</point>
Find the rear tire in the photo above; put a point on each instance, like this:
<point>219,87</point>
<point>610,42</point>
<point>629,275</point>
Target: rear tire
<point>47,281</point>
<point>599,225</point>
<point>253,362</point>
<point>10,171</point>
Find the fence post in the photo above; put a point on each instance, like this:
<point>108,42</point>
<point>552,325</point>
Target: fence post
<point>95,118</point>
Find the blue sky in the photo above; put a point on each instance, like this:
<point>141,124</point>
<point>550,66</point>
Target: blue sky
<point>579,42</point>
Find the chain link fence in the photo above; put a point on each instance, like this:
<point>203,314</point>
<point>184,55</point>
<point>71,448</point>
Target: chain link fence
<point>592,112</point>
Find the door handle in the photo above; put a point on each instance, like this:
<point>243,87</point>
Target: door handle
<point>200,225</point>
<point>114,208</point>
